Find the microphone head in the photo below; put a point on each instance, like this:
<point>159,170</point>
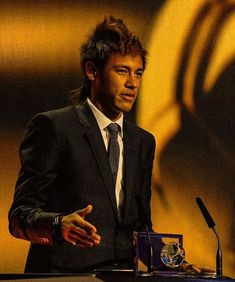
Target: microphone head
<point>210,222</point>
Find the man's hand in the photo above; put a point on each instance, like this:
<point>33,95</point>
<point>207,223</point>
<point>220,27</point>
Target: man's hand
<point>188,267</point>
<point>191,268</point>
<point>77,231</point>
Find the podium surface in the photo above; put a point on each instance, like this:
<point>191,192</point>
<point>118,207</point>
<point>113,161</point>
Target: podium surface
<point>110,276</point>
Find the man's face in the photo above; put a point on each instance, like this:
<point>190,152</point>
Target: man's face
<point>115,88</point>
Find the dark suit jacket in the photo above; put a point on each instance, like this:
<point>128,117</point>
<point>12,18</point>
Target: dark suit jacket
<point>64,168</point>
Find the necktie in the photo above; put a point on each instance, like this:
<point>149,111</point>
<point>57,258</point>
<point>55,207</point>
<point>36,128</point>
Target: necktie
<point>113,149</point>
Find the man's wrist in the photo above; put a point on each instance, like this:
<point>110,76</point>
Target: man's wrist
<point>56,230</point>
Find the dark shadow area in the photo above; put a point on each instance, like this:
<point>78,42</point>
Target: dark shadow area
<point>203,150</point>
<point>22,96</point>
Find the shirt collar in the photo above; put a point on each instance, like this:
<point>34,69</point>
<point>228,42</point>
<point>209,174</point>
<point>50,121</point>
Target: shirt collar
<point>102,120</point>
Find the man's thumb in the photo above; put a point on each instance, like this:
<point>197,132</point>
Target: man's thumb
<point>85,211</point>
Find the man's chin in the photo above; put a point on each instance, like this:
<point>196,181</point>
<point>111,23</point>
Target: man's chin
<point>126,107</point>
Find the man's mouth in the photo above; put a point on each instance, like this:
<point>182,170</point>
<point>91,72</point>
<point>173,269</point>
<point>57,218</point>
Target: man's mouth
<point>128,97</point>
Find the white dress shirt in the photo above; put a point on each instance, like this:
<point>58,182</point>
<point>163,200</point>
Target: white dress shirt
<point>103,122</point>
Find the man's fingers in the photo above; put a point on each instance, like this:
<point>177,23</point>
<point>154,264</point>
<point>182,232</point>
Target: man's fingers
<point>195,269</point>
<point>86,226</point>
<point>192,268</point>
<point>81,232</point>
<point>78,243</point>
<point>76,230</point>
<point>188,267</point>
<point>208,270</point>
<point>77,239</point>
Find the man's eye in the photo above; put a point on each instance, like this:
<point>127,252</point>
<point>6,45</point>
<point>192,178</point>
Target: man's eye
<point>122,71</point>
<point>139,74</point>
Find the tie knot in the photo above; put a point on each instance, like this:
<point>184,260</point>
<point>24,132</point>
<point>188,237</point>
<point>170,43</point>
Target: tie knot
<point>113,128</point>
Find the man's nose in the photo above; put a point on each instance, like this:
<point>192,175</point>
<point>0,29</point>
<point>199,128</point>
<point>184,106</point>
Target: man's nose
<point>132,82</point>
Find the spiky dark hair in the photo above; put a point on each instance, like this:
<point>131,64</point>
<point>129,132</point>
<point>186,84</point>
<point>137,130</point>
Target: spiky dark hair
<point>109,37</point>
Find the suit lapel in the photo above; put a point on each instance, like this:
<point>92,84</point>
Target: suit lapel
<point>93,136</point>
<point>130,163</point>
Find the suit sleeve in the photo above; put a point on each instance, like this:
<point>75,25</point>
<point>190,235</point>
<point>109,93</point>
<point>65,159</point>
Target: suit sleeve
<point>29,217</point>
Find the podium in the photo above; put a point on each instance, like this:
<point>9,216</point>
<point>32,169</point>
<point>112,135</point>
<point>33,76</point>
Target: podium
<point>108,276</point>
<point>138,274</point>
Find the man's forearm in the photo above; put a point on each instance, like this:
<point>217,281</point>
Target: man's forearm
<point>33,225</point>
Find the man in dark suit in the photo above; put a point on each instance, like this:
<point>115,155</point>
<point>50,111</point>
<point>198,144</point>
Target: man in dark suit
<point>75,194</point>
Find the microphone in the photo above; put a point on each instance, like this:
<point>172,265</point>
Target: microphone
<point>144,221</point>
<point>211,224</point>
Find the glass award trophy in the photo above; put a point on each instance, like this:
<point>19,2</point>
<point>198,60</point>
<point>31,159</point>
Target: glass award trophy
<point>167,252</point>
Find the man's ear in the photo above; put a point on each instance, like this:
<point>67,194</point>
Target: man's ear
<point>90,70</point>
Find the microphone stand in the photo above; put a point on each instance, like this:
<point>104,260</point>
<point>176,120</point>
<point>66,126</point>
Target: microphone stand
<point>219,272</point>
<point>150,252</point>
<point>211,224</point>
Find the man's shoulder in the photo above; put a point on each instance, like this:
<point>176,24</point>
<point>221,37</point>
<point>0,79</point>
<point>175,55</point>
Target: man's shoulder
<point>64,118</point>
<point>57,113</point>
<point>138,130</point>
<point>63,114</point>
<point>59,118</point>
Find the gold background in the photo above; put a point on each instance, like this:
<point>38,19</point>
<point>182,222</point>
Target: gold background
<point>186,101</point>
